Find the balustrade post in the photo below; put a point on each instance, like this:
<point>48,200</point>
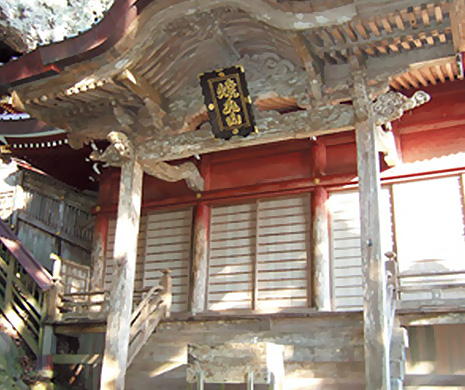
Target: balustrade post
<point>167,283</point>
<point>45,361</point>
<point>145,312</point>
<point>56,291</point>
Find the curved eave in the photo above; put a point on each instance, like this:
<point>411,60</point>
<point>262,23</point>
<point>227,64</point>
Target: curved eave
<point>27,128</point>
<point>49,60</point>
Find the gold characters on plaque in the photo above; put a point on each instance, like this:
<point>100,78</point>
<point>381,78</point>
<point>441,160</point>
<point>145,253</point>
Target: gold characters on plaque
<point>231,109</point>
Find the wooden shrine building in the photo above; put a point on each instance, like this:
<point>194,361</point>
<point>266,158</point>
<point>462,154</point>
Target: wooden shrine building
<point>297,256</point>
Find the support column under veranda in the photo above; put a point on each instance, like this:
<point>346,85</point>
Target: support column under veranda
<point>375,308</point>
<point>120,306</point>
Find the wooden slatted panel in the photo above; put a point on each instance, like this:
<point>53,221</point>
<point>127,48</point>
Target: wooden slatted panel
<point>6,204</point>
<point>283,252</point>
<point>109,261</point>
<point>346,263</point>
<point>75,277</point>
<point>232,251</point>
<point>430,234</point>
<point>168,245</point>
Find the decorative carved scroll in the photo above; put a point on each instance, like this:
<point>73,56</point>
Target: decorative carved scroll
<point>121,149</point>
<point>187,171</point>
<point>387,108</point>
<point>392,105</point>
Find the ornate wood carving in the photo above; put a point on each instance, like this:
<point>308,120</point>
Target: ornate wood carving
<point>121,150</point>
<point>186,171</point>
<point>392,105</point>
<point>387,108</point>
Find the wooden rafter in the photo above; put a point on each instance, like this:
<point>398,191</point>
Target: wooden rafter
<point>140,87</point>
<point>457,21</point>
<point>313,65</point>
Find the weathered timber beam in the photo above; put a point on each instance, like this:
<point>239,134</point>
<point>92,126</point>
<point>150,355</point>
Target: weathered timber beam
<point>433,317</point>
<point>375,307</point>
<point>275,128</point>
<point>76,359</point>
<point>434,380</point>
<point>115,356</point>
<point>313,65</point>
<point>457,22</point>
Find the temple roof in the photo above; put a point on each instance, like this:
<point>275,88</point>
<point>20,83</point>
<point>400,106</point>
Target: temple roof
<point>136,71</point>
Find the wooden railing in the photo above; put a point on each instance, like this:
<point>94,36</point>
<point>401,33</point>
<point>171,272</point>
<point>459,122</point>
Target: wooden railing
<point>154,307</point>
<point>73,276</point>
<point>151,306</point>
<point>433,286</point>
<point>25,287</point>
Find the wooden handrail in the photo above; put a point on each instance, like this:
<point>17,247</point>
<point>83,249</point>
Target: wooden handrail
<point>406,275</point>
<point>38,272</point>
<point>154,307</point>
<point>146,301</point>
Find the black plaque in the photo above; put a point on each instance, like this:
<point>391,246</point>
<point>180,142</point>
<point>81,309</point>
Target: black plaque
<point>228,102</point>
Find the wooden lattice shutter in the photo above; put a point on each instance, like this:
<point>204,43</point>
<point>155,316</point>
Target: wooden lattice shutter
<point>346,262</point>
<point>168,245</point>
<point>110,262</point>
<point>260,249</point>
<point>283,252</point>
<point>232,251</point>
